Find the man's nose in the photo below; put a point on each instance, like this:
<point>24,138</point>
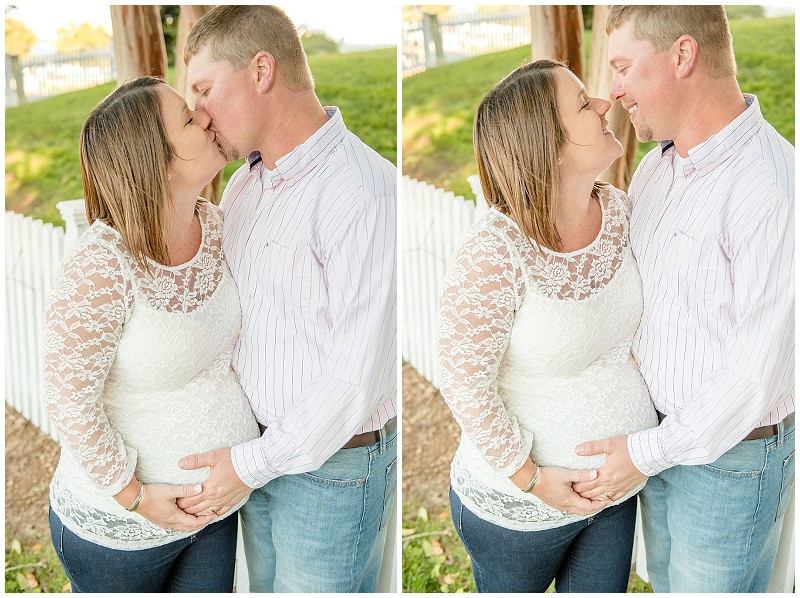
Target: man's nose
<point>616,89</point>
<point>203,119</point>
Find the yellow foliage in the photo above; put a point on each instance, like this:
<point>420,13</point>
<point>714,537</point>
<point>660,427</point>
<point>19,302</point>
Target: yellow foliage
<point>19,39</point>
<point>74,38</point>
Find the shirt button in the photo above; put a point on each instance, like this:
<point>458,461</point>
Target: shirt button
<point>292,181</point>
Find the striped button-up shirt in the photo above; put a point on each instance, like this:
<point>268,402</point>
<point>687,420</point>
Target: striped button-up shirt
<point>311,245</point>
<point>714,241</point>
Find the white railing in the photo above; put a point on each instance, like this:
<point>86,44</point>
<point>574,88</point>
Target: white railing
<point>34,251</point>
<point>40,75</point>
<point>431,41</point>
<point>434,224</point>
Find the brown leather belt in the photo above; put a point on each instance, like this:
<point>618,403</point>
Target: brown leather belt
<point>759,433</point>
<point>769,431</point>
<point>372,437</point>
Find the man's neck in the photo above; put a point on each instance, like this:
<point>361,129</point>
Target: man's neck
<point>293,118</point>
<point>708,112</point>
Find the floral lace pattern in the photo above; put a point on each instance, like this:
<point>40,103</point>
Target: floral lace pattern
<point>534,355</point>
<point>137,374</point>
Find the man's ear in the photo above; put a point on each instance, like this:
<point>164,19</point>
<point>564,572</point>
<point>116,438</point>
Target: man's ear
<point>685,55</point>
<point>265,71</point>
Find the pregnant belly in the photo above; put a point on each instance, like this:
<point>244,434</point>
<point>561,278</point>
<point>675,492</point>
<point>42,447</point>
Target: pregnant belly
<point>562,413</point>
<point>183,422</point>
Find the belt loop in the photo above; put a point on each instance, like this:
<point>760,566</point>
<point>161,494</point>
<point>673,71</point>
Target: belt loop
<point>382,440</point>
<point>780,433</point>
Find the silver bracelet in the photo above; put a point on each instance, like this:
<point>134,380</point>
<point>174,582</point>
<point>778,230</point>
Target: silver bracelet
<point>136,502</point>
<point>534,480</point>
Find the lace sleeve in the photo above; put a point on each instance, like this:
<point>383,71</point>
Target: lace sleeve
<point>84,317</point>
<point>482,292</point>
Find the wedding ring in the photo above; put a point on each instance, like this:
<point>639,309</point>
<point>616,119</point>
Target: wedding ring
<point>608,496</point>
<point>213,510</point>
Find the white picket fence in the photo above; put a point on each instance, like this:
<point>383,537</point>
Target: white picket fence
<point>34,251</point>
<point>434,224</point>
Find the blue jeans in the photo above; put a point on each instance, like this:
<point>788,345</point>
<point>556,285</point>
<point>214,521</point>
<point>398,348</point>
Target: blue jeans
<point>591,555</point>
<point>203,562</point>
<point>715,528</point>
<point>323,531</point>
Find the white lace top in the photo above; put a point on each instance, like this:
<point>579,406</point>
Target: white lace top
<point>136,375</point>
<point>534,355</point>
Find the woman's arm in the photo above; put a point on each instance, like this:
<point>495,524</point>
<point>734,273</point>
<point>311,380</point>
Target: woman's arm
<point>84,320</point>
<point>483,289</point>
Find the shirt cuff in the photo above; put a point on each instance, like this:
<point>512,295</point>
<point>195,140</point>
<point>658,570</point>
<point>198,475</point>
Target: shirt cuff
<point>645,451</point>
<point>249,464</point>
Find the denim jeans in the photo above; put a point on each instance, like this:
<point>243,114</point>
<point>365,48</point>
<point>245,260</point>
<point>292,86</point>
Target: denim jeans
<point>591,555</point>
<point>323,531</point>
<point>715,528</point>
<point>203,562</point>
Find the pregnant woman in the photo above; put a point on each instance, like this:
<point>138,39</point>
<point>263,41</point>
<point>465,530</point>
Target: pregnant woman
<point>140,328</point>
<point>536,320</point>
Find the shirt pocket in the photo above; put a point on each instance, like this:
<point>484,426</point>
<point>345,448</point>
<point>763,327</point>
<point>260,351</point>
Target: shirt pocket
<point>694,282</point>
<point>286,277</point>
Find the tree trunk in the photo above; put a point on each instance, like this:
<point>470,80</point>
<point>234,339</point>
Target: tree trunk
<point>557,33</point>
<point>599,85</point>
<point>138,42</point>
<point>187,18</point>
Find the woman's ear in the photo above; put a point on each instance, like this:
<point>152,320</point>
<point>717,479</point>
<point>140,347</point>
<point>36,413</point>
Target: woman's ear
<point>265,71</point>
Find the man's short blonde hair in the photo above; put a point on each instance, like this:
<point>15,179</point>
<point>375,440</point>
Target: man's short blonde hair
<point>238,33</point>
<point>662,25</point>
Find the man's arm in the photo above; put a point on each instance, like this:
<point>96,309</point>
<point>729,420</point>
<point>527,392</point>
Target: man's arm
<point>757,374</point>
<point>360,369</point>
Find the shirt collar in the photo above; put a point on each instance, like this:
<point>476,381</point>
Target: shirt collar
<point>726,142</point>
<point>305,157</point>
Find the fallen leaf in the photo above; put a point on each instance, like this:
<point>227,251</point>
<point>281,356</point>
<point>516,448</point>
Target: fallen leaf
<point>67,587</point>
<point>16,546</point>
<point>36,547</point>
<point>31,582</point>
<point>423,513</point>
<point>436,548</point>
<point>427,548</point>
<point>449,579</point>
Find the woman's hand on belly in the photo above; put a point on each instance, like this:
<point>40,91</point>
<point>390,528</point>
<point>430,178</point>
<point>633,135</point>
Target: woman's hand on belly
<point>159,506</point>
<point>554,488</point>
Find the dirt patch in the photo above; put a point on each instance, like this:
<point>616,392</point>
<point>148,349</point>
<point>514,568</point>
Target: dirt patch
<point>31,459</point>
<point>430,439</point>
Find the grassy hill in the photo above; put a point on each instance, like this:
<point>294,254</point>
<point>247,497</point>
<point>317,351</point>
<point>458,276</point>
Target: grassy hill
<point>42,165</point>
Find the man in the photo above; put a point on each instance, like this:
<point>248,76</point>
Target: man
<point>712,232</point>
<point>309,235</point>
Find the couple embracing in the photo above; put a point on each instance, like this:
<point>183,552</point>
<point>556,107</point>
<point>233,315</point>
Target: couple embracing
<point>595,345</point>
<point>196,356</point>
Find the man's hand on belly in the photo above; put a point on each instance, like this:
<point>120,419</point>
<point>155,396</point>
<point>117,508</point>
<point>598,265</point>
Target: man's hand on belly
<point>222,490</point>
<point>617,477</point>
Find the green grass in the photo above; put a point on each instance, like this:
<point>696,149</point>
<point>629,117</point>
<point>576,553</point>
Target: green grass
<point>33,568</point>
<point>435,561</point>
<point>439,104</point>
<point>42,166</point>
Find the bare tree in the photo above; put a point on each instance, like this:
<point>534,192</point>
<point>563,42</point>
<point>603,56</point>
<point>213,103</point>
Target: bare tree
<point>138,42</point>
<point>187,18</point>
<point>557,33</point>
<point>599,85</point>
